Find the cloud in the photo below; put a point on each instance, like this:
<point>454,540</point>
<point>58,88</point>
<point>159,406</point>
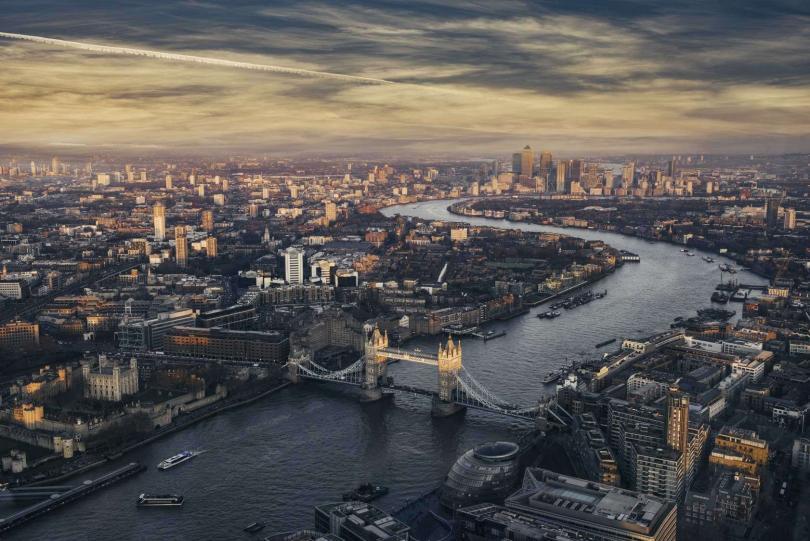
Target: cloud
<point>577,76</point>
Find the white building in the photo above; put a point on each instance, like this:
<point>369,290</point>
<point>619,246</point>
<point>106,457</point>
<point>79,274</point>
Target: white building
<point>294,265</point>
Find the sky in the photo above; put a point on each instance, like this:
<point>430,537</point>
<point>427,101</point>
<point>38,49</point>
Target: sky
<point>476,78</point>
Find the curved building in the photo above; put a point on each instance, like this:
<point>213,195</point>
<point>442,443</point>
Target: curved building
<point>486,473</point>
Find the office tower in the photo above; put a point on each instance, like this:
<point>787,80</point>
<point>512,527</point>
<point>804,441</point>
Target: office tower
<point>211,246</point>
<point>159,217</point>
<point>772,211</point>
<point>678,420</point>
<point>169,182</point>
<point>201,190</point>
<point>330,211</point>
<point>55,165</point>
<point>559,186</point>
<point>294,265</point>
<point>576,170</point>
<point>253,210</point>
<point>208,220</point>
<point>294,191</point>
<point>790,219</point>
<point>671,168</point>
<point>225,184</point>
<point>527,162</point>
<point>516,158</point>
<point>545,163</point>
<point>475,188</point>
<point>33,168</point>
<point>181,246</point>
<point>628,174</point>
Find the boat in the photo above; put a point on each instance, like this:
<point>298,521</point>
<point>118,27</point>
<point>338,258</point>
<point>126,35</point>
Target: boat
<point>551,314</point>
<point>551,377</point>
<point>366,493</point>
<point>176,460</point>
<point>606,342</point>
<point>684,250</point>
<point>492,334</point>
<point>254,527</point>
<point>708,259</point>
<point>690,254</point>
<point>160,500</point>
<point>739,296</point>
<point>717,296</point>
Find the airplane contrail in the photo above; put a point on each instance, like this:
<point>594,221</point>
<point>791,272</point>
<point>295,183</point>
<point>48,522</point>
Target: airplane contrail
<point>108,49</point>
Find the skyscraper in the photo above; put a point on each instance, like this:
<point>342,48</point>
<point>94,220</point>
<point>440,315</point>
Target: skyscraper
<point>169,182</point>
<point>561,172</point>
<point>211,247</point>
<point>159,217</point>
<point>55,165</point>
<point>330,211</point>
<point>576,170</point>
<point>294,265</point>
<point>208,220</point>
<point>181,246</point>
<point>790,219</point>
<point>628,174</point>
<point>772,211</point>
<point>678,420</point>
<point>527,162</point>
<point>545,164</point>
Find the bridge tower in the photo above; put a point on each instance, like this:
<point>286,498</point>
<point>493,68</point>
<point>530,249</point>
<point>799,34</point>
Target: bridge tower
<point>299,356</point>
<point>375,364</point>
<point>449,364</point>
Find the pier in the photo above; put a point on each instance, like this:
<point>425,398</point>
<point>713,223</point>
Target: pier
<point>56,500</point>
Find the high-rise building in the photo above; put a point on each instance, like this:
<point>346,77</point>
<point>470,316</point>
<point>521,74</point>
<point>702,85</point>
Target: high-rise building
<point>211,247</point>
<point>678,420</point>
<point>181,246</point>
<point>772,212</point>
<point>545,164</point>
<point>576,170</point>
<point>671,168</point>
<point>559,186</point>
<point>628,174</point>
<point>159,217</point>
<point>55,165</point>
<point>208,220</point>
<point>330,211</point>
<point>527,162</point>
<point>790,219</point>
<point>253,210</point>
<point>294,265</point>
<point>169,182</point>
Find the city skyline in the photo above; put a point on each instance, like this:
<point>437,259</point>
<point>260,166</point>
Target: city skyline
<point>584,77</point>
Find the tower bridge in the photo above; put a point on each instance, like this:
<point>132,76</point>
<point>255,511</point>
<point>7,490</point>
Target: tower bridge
<point>456,388</point>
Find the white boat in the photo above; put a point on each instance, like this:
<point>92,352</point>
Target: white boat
<point>176,460</point>
<point>160,500</point>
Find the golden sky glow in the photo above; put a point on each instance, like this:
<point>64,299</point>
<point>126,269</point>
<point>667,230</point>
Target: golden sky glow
<point>476,81</point>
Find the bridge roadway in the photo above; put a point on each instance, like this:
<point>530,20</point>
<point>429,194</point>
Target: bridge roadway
<point>74,493</point>
<point>417,391</point>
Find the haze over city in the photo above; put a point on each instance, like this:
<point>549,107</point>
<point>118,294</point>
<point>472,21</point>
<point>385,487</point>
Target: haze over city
<point>473,78</point>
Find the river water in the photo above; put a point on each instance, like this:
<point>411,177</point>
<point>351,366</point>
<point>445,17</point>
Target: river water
<point>275,459</point>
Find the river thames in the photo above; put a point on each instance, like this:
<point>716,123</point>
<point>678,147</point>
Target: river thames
<point>274,460</point>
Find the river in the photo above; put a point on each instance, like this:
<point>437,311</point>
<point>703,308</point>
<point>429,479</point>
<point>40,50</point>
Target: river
<point>275,459</point>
